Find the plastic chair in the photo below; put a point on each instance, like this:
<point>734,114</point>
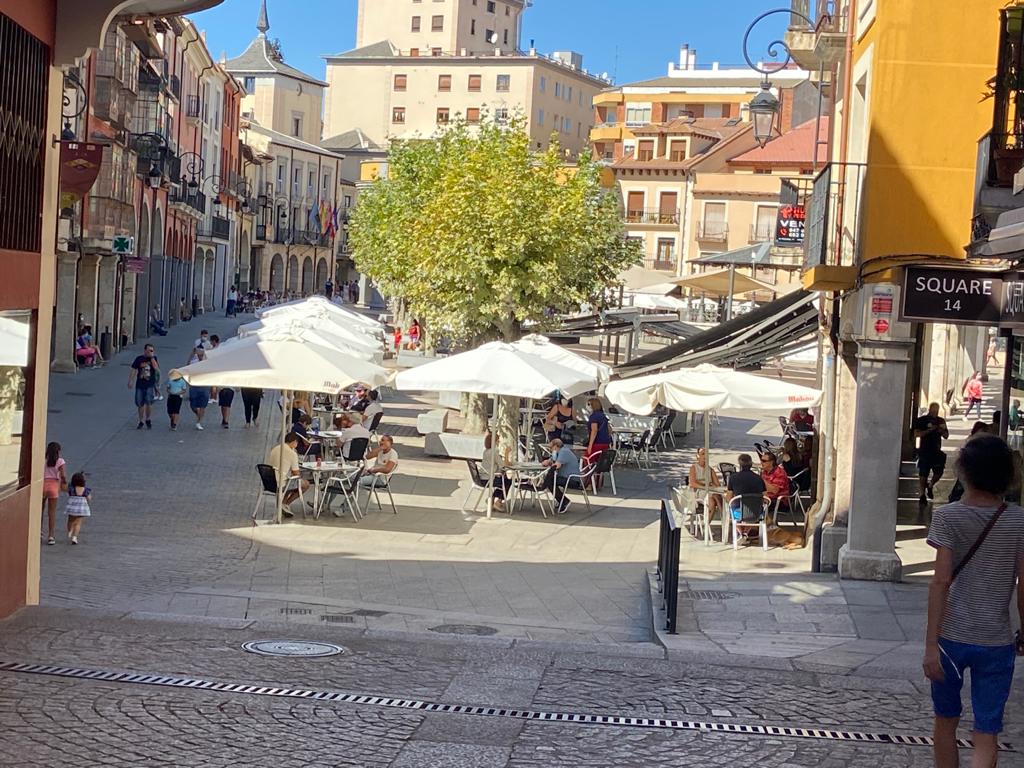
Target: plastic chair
<point>478,482</point>
<point>357,449</point>
<point>666,429</point>
<point>375,424</point>
<point>604,465</point>
<point>373,491</point>
<point>752,508</point>
<point>579,482</point>
<point>795,499</point>
<point>345,486</point>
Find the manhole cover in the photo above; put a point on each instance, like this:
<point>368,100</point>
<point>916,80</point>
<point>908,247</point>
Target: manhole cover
<point>291,648</point>
<point>296,611</point>
<point>368,612</point>
<point>338,618</point>
<point>464,629</point>
<point>708,594</point>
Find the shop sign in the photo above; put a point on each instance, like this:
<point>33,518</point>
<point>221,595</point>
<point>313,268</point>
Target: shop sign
<point>1012,305</point>
<point>882,302</point>
<point>961,296</point>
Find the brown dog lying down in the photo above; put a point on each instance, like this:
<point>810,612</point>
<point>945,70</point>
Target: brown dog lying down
<point>787,538</point>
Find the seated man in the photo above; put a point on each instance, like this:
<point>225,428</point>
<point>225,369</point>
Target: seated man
<point>307,446</point>
<point>566,465</point>
<point>385,462</point>
<point>156,325</point>
<point>776,481</point>
<point>350,430</point>
<point>84,353</point>
<point>360,402</point>
<point>285,462</point>
<point>743,482</point>
<point>373,407</point>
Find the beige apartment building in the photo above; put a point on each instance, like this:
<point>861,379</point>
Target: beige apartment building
<point>420,64</point>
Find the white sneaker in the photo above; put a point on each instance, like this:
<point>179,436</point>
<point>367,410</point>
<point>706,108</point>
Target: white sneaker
<point>199,426</point>
<point>74,539</point>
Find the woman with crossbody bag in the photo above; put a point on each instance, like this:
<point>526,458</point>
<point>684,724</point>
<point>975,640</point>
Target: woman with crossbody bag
<point>979,543</point>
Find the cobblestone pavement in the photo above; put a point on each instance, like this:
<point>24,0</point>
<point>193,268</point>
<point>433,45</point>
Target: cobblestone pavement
<point>57,721</point>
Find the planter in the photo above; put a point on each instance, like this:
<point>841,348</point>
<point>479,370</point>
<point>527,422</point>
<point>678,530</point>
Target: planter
<point>1008,162</point>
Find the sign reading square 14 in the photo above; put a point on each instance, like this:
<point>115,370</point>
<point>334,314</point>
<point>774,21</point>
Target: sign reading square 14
<point>123,245</point>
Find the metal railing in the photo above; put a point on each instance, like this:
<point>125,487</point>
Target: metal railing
<point>651,216</point>
<point>834,215</point>
<point>660,264</point>
<point>713,231</point>
<point>216,227</point>
<point>761,234</point>
<point>261,231</point>
<point>669,544</point>
<point>1004,155</point>
<point>828,15</point>
<point>195,200</point>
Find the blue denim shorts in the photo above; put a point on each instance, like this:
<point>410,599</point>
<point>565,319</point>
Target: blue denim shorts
<point>144,396</point>
<point>991,676</point>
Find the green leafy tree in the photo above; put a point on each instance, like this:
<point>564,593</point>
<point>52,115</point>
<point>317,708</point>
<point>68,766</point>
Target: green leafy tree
<point>475,233</point>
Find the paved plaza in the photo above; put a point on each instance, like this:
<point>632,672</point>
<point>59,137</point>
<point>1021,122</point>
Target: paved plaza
<point>518,616</point>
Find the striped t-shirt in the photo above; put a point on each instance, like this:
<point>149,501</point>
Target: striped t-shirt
<point>978,605</point>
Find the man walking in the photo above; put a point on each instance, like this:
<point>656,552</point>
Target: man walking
<point>142,376</point>
<point>930,430</point>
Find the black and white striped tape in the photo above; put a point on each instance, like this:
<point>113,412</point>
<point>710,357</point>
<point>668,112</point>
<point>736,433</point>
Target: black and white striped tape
<point>626,721</point>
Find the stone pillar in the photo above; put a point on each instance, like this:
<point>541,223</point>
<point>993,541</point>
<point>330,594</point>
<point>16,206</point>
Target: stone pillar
<point>65,330</point>
<point>870,550</point>
<point>107,301</point>
<point>88,277</point>
<point>128,307</point>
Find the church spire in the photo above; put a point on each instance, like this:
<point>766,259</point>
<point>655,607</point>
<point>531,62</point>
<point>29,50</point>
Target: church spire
<point>263,24</point>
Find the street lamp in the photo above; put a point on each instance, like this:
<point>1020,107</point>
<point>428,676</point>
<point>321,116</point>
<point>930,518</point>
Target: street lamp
<point>155,176</point>
<point>765,106</point>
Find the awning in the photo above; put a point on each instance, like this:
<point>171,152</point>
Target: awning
<point>656,301</point>
<point>644,280</point>
<point>719,281</point>
<point>773,330</point>
<point>760,254</point>
<point>1006,238</point>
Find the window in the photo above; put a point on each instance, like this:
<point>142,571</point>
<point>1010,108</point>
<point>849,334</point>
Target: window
<point>475,83</point>
<point>415,23</point>
<point>540,117</point>
<point>414,51</point>
<point>348,201</point>
<point>401,82</point>
<point>506,35</point>
<point>713,226</point>
<point>472,26</point>
<point>443,115</point>
<point>635,206</point>
<point>250,85</point>
<point>508,11</point>
<point>16,458</point>
<point>558,90</point>
<point>435,51</point>
<point>327,181</point>
<point>490,6</point>
<point>763,171</point>
<point>668,208</point>
<point>437,24</point>
<point>444,83</point>
<point>490,37</point>
<point>543,84</point>
<point>296,126</point>
<point>311,182</point>
<point>504,83</point>
<point>666,251</point>
<point>501,115</point>
<point>645,150</point>
<point>638,115</point>
<point>677,153</point>
<point>398,115</point>
<point>764,224</point>
<point>473,115</point>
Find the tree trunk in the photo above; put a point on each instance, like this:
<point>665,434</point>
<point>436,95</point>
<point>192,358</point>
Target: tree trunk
<point>476,414</point>
<point>507,427</point>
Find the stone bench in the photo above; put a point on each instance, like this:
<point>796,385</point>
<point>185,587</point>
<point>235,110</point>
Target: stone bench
<point>432,421</point>
<point>451,445</point>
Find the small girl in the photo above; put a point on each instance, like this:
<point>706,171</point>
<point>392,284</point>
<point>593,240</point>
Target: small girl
<point>54,481</point>
<point>78,505</point>
<point>176,389</point>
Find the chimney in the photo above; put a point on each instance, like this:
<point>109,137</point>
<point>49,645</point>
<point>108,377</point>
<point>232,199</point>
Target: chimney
<point>786,109</point>
<point>684,56</point>
<point>693,59</point>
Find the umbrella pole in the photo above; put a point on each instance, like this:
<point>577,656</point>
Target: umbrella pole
<point>494,449</point>
<point>732,287</point>
<point>286,408</point>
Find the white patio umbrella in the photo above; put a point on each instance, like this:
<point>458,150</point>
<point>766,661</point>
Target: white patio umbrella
<point>319,304</point>
<point>541,346</point>
<point>324,336</point>
<point>343,333</point>
<point>285,362</point>
<point>708,388</point>
<point>496,369</point>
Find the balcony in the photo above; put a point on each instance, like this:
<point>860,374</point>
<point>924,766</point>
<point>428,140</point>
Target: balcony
<point>825,41</point>
<point>174,85</point>
<point>607,132</point>
<point>661,264</point>
<point>310,237</point>
<point>761,234</point>
<point>193,110</point>
<point>713,231</point>
<point>216,228</point>
<point>653,216</point>
<point>180,195</point>
<point>831,241</point>
<point>261,232</point>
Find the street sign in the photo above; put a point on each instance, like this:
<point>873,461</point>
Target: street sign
<point>881,325</point>
<point>961,296</point>
<point>135,266</point>
<point>123,245</point>
<point>881,302</point>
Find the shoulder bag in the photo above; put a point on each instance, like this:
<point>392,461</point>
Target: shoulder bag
<point>981,540</point>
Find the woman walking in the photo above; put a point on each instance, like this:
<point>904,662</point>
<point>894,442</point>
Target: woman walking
<point>251,403</point>
<point>198,397</point>
<point>973,393</point>
<point>54,481</point>
<point>78,505</point>
<point>979,543</point>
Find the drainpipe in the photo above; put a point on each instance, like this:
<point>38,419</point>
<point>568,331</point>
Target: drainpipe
<point>828,418</point>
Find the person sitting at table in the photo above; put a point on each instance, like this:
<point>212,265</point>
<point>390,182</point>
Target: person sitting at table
<point>385,462</point>
<point>300,407</point>
<point>494,461</point>
<point>701,476</point>
<point>802,420</point>
<point>373,408</point>
<point>566,465</point>
<point>794,463</point>
<point>351,429</point>
<point>361,402</point>
<point>744,482</point>
<point>559,419</point>
<point>776,482</point>
<point>285,462</point>
<point>307,446</point>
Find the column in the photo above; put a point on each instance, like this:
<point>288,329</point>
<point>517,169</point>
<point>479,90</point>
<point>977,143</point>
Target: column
<point>106,321</point>
<point>128,307</point>
<point>199,282</point>
<point>870,550</point>
<point>65,331</point>
<point>88,277</point>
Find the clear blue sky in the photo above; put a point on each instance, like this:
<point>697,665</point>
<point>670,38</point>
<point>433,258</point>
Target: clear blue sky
<point>631,39</point>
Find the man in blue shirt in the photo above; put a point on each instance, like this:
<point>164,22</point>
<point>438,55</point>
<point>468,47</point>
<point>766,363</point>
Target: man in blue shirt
<point>567,464</point>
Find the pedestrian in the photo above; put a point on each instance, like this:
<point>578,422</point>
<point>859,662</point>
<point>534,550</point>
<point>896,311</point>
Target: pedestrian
<point>979,543</point>
<point>77,509</point>
<point>143,376</point>
<point>195,305</point>
<point>414,335</point>
<point>225,395</point>
<point>229,310</point>
<point>398,339</point>
<point>993,344</point>
<point>176,389</point>
<point>930,430</point>
<point>973,392</point>
<point>183,311</point>
<point>54,482</point>
<point>203,341</point>
<point>198,397</point>
<point>251,399</point>
<point>329,289</point>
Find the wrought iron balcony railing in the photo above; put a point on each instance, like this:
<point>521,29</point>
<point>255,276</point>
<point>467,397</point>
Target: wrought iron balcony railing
<point>834,216</point>
<point>651,216</point>
<point>713,231</point>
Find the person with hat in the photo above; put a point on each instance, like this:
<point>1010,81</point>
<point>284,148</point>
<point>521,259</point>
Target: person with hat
<point>362,401</point>
<point>176,389</point>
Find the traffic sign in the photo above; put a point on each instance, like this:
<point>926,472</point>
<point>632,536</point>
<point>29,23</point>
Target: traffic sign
<point>881,325</point>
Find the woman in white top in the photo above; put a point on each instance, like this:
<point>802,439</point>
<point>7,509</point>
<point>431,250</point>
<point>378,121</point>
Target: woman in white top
<point>703,476</point>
